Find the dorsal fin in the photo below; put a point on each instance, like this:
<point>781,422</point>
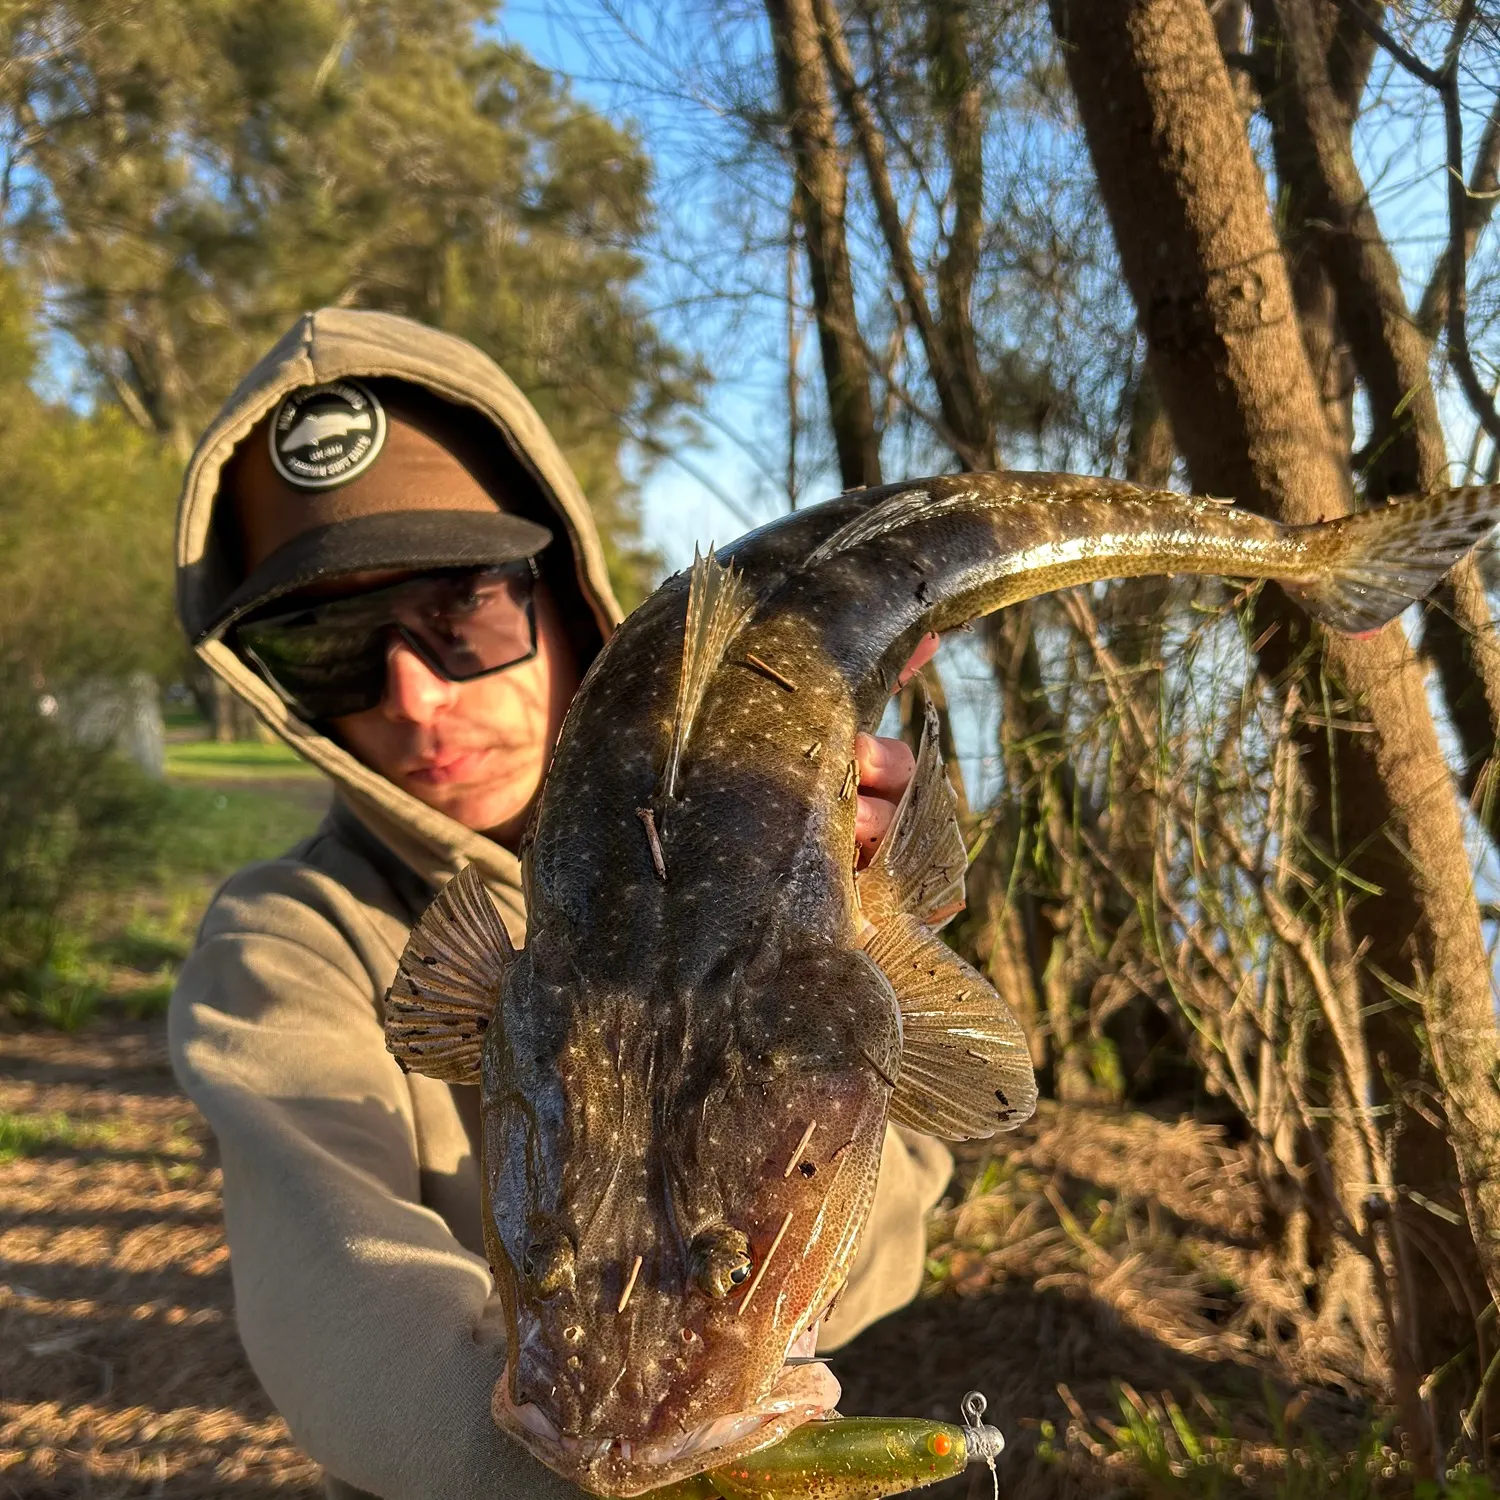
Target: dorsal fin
<point>965,1068</point>
<point>448,983</point>
<point>921,862</point>
<point>718,602</point>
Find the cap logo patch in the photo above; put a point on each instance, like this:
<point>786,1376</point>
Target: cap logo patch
<point>326,435</point>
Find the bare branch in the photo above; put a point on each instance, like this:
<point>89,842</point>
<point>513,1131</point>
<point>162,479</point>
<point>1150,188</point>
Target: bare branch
<point>1458,198</point>
<point>1408,59</point>
<point>821,188</point>
<point>1444,81</point>
<point>1484,192</point>
<point>957,93</point>
<point>961,421</point>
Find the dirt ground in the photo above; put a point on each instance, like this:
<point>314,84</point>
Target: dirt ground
<point>120,1372</point>
<point>1089,1254</point>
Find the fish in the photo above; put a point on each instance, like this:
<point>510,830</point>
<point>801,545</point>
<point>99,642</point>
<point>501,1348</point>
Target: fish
<point>318,427</point>
<point>687,1072</point>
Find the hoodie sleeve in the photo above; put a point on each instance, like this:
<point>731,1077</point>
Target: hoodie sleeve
<point>887,1270</point>
<point>375,1333</point>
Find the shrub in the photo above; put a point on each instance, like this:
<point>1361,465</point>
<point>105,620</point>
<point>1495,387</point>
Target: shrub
<point>71,814</point>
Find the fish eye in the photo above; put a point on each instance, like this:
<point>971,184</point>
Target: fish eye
<point>548,1263</point>
<point>720,1260</point>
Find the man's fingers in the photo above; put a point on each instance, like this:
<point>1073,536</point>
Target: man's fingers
<point>885,766</point>
<point>872,821</point>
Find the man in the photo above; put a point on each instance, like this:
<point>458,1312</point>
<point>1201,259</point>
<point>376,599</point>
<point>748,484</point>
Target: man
<point>382,551</point>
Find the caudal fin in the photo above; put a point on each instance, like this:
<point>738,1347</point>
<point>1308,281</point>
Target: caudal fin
<point>1379,561</point>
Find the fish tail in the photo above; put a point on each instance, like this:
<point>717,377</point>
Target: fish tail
<point>1372,565</point>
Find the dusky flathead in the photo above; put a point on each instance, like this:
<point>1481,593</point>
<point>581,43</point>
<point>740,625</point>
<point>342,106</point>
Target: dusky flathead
<point>688,1070</point>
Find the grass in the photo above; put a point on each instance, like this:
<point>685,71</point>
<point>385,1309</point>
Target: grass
<point>201,759</point>
<point>1178,1454</point>
<point>24,1134</point>
<point>1174,1454</point>
<point>210,831</point>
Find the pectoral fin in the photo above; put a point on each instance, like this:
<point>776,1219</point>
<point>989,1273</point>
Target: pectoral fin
<point>965,1069</point>
<point>448,983</point>
<point>920,865</point>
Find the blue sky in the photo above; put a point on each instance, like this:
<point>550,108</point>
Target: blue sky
<point>739,459</point>
<point>644,66</point>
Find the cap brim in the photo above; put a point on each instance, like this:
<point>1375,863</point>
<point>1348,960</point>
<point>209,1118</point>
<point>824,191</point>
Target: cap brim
<point>410,540</point>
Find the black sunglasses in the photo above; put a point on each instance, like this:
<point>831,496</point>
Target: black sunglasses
<point>328,659</point>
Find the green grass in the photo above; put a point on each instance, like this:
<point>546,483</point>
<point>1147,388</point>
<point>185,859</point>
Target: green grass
<point>212,831</point>
<point>244,759</point>
<point>1171,1453</point>
<point>30,1135</point>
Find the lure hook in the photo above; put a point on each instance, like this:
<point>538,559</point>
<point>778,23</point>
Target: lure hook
<point>984,1442</point>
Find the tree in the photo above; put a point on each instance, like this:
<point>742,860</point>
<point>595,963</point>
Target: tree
<point>85,530</point>
<point>1200,253</point>
<point>183,179</point>
<point>1218,820</point>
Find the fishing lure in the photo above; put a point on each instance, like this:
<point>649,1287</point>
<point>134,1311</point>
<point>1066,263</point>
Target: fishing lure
<point>851,1458</point>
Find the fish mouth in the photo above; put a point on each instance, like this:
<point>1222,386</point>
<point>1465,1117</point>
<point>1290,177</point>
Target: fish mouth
<point>804,1390</point>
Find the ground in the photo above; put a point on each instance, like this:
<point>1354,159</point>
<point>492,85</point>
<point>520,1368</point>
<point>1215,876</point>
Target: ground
<point>120,1373</point>
<point>1102,1277</point>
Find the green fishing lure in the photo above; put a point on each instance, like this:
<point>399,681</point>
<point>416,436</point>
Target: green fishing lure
<point>850,1458</point>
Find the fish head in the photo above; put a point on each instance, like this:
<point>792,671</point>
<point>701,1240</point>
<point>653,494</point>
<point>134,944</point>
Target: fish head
<point>675,1192</point>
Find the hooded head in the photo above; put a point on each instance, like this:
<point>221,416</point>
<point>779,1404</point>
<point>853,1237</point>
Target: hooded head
<point>364,443</point>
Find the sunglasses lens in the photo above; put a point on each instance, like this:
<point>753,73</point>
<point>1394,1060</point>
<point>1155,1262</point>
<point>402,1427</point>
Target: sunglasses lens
<point>329,659</point>
<point>325,671</point>
<point>474,625</point>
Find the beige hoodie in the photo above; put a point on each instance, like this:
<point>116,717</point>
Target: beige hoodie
<point>351,1189</point>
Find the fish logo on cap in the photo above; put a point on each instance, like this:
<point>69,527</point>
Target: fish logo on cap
<point>326,435</point>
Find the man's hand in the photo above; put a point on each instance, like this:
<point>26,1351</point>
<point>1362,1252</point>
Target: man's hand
<point>885,766</point>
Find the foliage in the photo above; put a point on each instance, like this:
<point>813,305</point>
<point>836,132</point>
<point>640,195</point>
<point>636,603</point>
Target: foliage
<point>120,934</point>
<point>69,813</point>
<point>183,178</point>
<point>86,527</point>
<point>103,870</point>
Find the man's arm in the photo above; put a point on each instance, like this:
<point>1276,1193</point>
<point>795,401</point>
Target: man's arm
<point>887,1270</point>
<point>373,1330</point>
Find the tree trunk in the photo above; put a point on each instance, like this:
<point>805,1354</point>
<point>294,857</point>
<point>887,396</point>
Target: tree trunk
<point>1200,255</point>
<point>1328,206</point>
<point>821,185</point>
<point>956,93</point>
<point>1132,616</point>
<point>958,417</point>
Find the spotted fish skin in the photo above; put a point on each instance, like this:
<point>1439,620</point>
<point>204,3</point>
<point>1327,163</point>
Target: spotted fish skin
<point>695,1052</point>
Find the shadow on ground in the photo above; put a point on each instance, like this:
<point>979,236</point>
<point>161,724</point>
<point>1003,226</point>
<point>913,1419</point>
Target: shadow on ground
<point>121,1376</point>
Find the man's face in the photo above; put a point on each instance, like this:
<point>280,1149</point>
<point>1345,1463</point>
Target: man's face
<point>475,750</point>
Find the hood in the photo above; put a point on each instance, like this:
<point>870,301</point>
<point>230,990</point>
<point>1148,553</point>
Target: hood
<point>328,345</point>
